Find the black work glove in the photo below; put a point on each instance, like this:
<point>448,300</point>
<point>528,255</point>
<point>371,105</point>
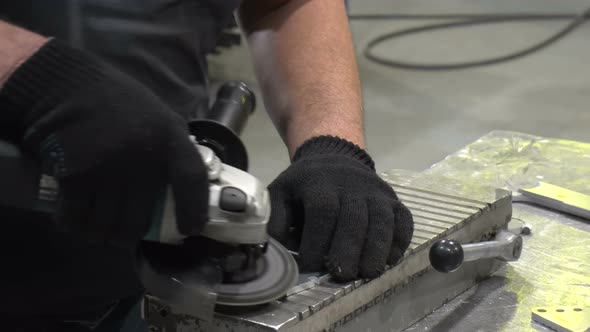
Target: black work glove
<point>113,146</point>
<point>332,208</point>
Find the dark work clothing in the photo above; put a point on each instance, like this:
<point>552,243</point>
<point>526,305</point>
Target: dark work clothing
<point>123,315</point>
<point>45,271</point>
<point>163,44</point>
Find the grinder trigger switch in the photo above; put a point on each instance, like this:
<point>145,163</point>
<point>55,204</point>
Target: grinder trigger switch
<point>233,199</point>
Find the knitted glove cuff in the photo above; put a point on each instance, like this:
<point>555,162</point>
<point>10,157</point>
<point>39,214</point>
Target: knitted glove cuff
<point>55,72</point>
<point>332,145</point>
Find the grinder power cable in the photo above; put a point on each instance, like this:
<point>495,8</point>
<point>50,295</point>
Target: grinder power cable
<point>233,262</point>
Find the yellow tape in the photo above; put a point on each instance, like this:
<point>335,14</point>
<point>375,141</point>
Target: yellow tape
<point>564,195</point>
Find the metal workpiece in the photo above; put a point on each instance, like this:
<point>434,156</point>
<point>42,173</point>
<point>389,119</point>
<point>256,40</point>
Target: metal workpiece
<point>322,297</point>
<point>300,307</point>
<point>335,291</point>
<point>313,304</point>
<point>272,317</point>
<point>346,288</point>
<point>322,304</point>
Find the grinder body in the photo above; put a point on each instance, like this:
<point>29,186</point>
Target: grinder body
<point>239,207</point>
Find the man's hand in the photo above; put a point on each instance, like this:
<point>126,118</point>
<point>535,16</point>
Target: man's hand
<point>332,208</point>
<point>113,146</point>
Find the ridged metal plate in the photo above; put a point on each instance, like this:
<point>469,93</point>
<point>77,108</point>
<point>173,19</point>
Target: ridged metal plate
<point>322,304</point>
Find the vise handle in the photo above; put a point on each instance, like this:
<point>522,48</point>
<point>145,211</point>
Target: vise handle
<point>448,255</point>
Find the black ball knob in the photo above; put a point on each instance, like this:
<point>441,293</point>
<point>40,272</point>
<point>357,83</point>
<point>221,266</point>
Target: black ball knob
<point>446,255</point>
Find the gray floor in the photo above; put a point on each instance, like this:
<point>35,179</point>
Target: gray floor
<point>414,119</point>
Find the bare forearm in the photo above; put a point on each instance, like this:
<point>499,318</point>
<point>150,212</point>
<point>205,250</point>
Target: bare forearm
<point>305,63</point>
<point>16,46</point>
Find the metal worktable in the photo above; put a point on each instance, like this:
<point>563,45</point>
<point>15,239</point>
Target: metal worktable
<point>462,196</point>
<point>554,269</point>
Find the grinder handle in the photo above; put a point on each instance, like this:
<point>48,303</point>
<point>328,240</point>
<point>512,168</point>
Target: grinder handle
<point>221,126</point>
<point>235,102</point>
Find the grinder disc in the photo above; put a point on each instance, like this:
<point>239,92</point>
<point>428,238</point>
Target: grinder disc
<point>278,273</point>
<point>175,275</point>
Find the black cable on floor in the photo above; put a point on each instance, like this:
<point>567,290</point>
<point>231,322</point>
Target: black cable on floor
<point>464,20</point>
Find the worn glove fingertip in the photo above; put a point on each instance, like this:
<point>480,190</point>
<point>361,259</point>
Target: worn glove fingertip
<point>342,272</point>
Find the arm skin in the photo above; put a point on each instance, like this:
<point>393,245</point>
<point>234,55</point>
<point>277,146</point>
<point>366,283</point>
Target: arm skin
<point>16,46</point>
<point>305,62</point>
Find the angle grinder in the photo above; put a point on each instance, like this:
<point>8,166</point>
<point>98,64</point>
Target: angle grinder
<point>233,262</point>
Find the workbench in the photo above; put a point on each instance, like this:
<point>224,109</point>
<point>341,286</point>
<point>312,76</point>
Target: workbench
<point>467,197</point>
<point>554,268</point>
